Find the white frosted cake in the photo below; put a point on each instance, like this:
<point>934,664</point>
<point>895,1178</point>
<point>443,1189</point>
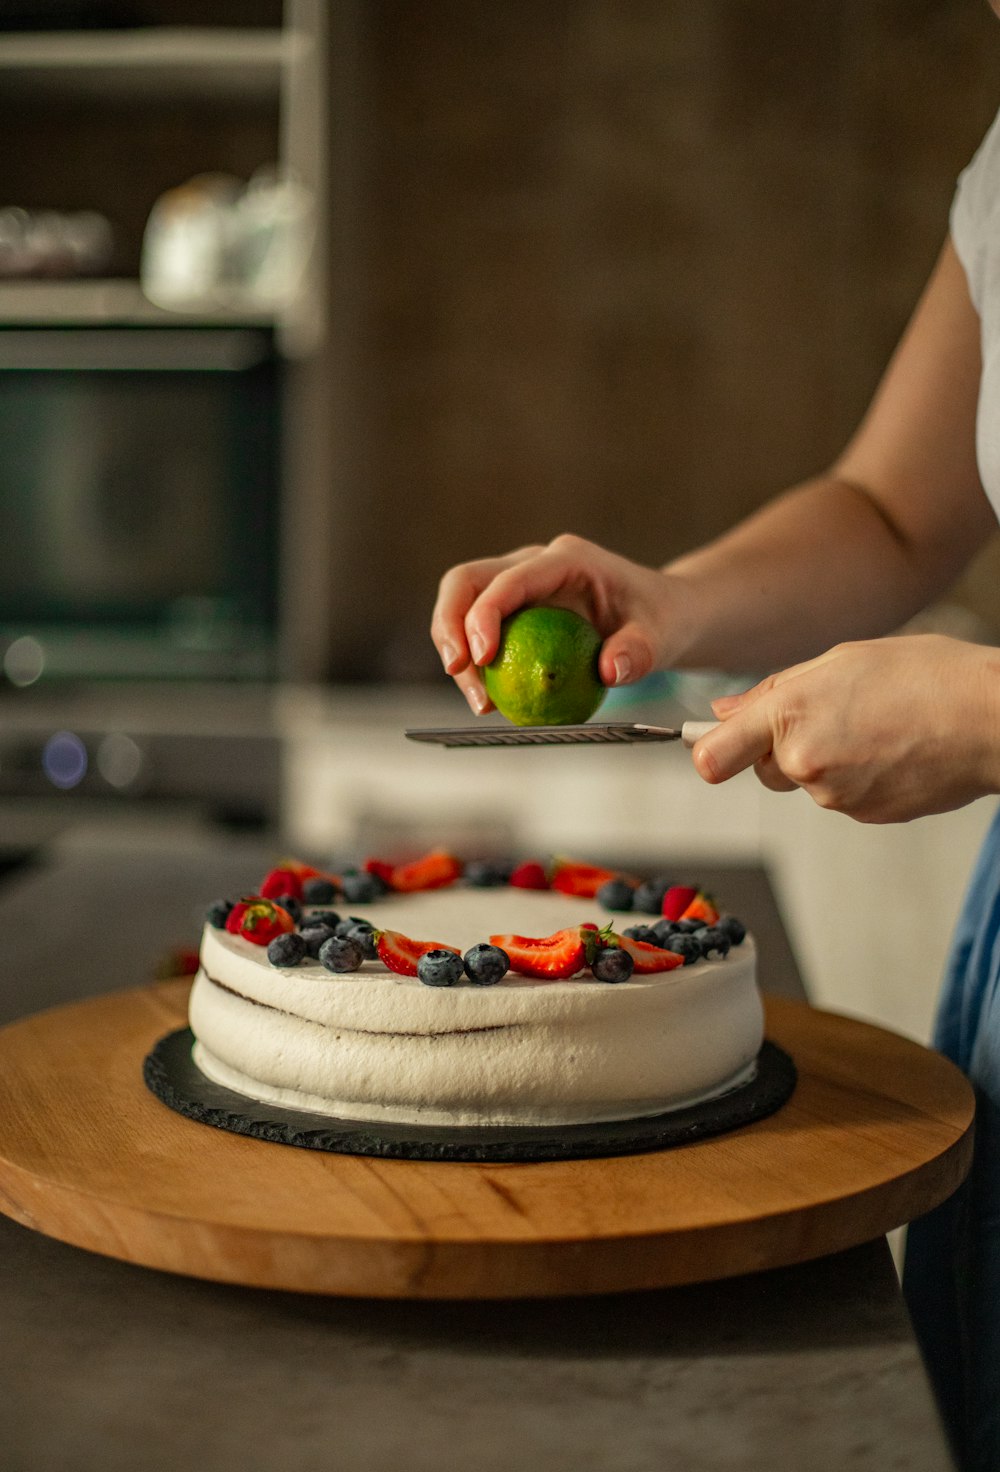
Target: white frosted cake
<point>372,1044</point>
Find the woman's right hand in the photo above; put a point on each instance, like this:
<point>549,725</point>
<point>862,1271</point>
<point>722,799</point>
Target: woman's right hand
<point>635,609</point>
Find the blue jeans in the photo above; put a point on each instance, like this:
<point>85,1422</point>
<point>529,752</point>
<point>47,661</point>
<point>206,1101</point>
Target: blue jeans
<point>952,1272</point>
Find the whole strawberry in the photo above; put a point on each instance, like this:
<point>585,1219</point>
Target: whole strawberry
<point>258,920</point>
<point>529,875</point>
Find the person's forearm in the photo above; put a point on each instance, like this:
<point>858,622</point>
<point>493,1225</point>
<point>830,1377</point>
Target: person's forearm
<point>817,566</point>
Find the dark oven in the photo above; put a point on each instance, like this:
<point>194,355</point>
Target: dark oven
<point>139,488</point>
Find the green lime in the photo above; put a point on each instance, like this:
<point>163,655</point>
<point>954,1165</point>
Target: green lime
<point>545,669</point>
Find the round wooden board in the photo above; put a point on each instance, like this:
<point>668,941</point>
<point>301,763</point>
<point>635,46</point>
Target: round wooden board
<point>877,1132</point>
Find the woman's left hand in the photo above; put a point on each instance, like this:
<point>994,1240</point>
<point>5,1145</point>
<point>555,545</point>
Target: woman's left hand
<point>884,730</point>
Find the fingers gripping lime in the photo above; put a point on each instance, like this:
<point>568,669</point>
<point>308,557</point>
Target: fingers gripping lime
<point>545,669</point>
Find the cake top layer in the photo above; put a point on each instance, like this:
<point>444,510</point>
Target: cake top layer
<point>378,1001</point>
<point>446,923</point>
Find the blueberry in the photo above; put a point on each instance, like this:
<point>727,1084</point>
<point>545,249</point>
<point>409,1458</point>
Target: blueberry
<point>218,913</point>
<point>290,903</point>
<point>684,944</point>
<point>362,888</point>
<point>364,934</point>
<point>648,897</point>
<point>662,931</point>
<point>688,927</point>
<point>641,932</point>
<point>314,936</point>
<point>340,953</point>
<point>612,964</point>
<point>287,949</point>
<point>617,894</point>
<point>318,891</point>
<point>440,968</point>
<point>485,965</point>
<point>735,929</point>
<point>713,942</point>
<point>351,922</point>
<point>322,917</point>
<point>482,874</point>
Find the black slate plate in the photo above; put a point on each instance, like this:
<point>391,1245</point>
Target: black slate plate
<point>171,1074</point>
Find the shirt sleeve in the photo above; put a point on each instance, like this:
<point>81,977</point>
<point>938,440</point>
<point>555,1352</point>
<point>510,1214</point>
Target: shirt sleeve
<point>975,210</point>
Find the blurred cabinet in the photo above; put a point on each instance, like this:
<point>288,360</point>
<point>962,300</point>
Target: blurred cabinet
<point>107,119</point>
<point>110,117</point>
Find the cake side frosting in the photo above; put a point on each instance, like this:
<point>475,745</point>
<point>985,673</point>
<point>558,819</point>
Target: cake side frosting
<point>372,1044</point>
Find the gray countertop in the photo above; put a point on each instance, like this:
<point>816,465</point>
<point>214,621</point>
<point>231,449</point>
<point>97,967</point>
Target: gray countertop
<point>107,1366</point>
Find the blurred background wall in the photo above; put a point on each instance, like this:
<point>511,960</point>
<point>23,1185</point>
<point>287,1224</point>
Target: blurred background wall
<point>627,267</point>
<point>623,267</point>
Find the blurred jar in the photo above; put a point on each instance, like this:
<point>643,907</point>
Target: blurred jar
<point>215,241</point>
<point>48,243</point>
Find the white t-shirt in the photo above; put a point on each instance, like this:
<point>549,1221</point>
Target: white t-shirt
<point>975,231</point>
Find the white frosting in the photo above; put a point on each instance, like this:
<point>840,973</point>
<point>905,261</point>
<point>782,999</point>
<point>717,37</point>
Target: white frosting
<point>378,1046</point>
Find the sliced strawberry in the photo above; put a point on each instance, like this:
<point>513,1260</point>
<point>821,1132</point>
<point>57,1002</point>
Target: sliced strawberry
<point>570,877</point>
<point>529,875</point>
<point>549,958</point>
<point>433,871</point>
<point>301,873</point>
<point>258,920</point>
<point>702,907</point>
<point>646,958</point>
<point>401,954</point>
<point>677,899</point>
<point>380,869</point>
<point>283,880</point>
<point>304,871</point>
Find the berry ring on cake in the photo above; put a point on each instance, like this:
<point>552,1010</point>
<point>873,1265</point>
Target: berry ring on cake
<point>443,996</point>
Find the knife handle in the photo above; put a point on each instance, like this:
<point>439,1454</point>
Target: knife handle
<point>693,731</point>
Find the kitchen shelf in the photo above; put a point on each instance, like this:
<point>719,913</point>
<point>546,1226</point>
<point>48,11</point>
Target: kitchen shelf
<point>143,65</point>
<point>106,302</point>
<point>109,121</point>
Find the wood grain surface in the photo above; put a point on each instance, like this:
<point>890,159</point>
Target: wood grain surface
<point>878,1131</point>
